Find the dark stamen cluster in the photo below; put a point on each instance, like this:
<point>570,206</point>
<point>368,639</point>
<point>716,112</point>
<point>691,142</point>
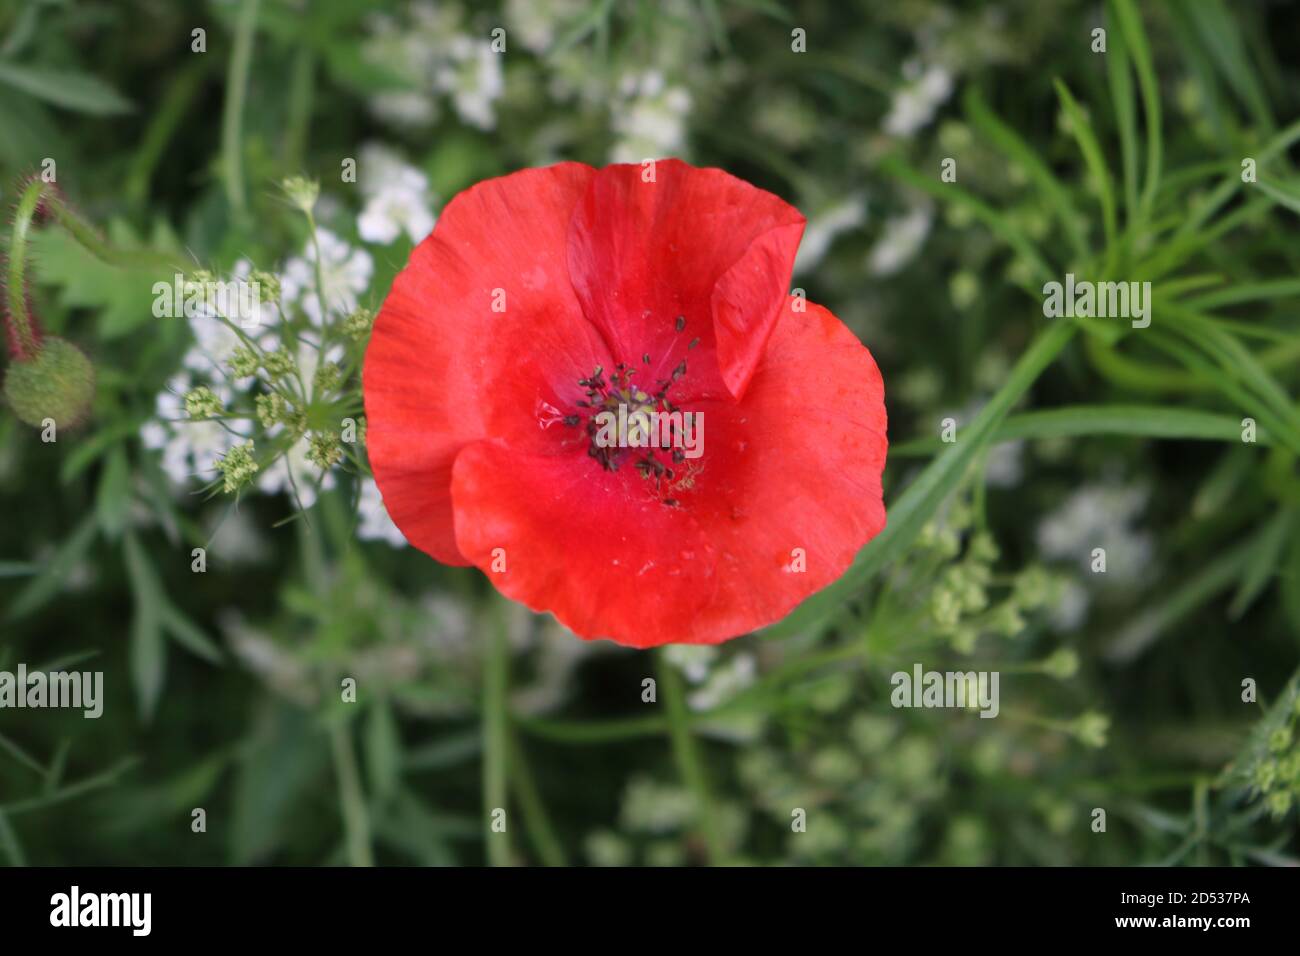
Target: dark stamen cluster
<point>607,395</point>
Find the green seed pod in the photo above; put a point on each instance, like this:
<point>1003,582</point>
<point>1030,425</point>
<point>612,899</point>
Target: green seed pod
<point>57,383</point>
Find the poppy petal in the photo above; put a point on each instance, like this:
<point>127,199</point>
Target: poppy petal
<point>589,545</point>
<point>786,493</point>
<point>790,488</point>
<point>691,254</point>
<point>481,336</point>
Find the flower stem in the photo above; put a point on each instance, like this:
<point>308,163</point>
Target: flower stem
<point>536,819</point>
<point>688,758</point>
<point>41,197</point>
<point>24,337</point>
<point>356,820</point>
<point>241,58</point>
<point>496,679</point>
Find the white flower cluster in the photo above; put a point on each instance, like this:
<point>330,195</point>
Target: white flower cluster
<point>537,22</point>
<point>715,678</point>
<point>433,52</point>
<point>825,226</point>
<point>1100,516</point>
<point>192,445</point>
<point>344,274</point>
<point>373,522</point>
<point>900,241</point>
<point>190,449</point>
<point>396,197</point>
<point>649,118</point>
<point>914,104</point>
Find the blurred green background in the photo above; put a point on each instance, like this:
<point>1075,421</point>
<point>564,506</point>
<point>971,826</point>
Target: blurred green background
<point>1120,691</point>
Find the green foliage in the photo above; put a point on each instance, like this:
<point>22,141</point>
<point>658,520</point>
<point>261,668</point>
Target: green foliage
<point>1121,689</point>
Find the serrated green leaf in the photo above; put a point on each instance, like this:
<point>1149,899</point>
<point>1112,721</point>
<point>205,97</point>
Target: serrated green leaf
<point>122,296</point>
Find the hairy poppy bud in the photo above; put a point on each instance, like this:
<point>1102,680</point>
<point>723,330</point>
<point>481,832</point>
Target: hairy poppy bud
<point>57,382</point>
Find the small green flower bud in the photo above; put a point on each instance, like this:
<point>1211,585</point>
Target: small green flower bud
<point>1288,768</point>
<point>945,608</point>
<point>278,364</point>
<point>58,383</point>
<point>357,325</point>
<point>268,286</point>
<point>963,288</point>
<point>328,378</point>
<point>325,451</point>
<point>1032,588</point>
<point>963,639</point>
<point>201,403</point>
<point>1006,619</point>
<point>1063,664</point>
<point>303,193</point>
<point>243,362</point>
<point>960,516</point>
<point>1279,802</point>
<point>973,597</point>
<point>983,548</point>
<point>272,409</point>
<point>237,467</point>
<point>1280,739</point>
<point>1091,728</point>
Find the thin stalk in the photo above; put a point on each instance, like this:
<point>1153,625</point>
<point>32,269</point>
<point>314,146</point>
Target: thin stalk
<point>301,94</point>
<point>688,760</point>
<point>24,338</point>
<point>496,682</point>
<point>536,820</point>
<point>356,819</point>
<point>241,58</point>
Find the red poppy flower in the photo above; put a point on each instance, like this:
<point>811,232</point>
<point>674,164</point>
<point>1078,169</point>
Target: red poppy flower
<point>550,295</point>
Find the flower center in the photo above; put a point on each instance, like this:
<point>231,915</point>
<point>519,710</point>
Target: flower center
<point>624,420</point>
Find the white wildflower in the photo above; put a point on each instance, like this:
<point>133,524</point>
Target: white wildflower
<point>914,104</point>
<point>1099,516</point>
<point>345,274</point>
<point>534,22</point>
<point>374,523</point>
<point>214,339</point>
<point>725,682</point>
<point>397,197</point>
<point>473,76</point>
<point>190,449</point>
<point>693,660</point>
<point>649,118</point>
<point>901,240</point>
<point>825,226</point>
